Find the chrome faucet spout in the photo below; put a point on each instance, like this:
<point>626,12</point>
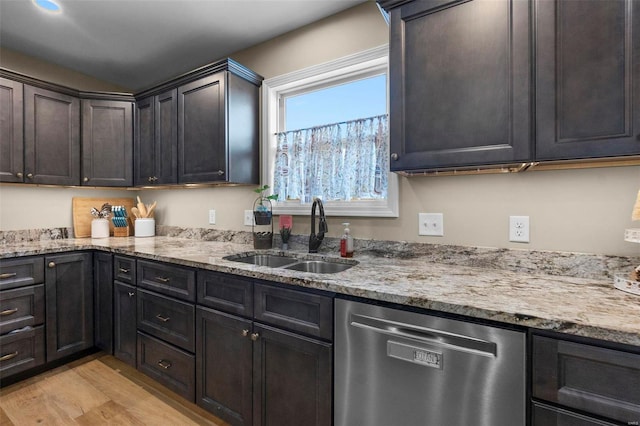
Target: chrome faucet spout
<point>316,239</point>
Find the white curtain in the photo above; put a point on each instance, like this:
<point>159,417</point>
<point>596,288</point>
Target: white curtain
<point>342,161</point>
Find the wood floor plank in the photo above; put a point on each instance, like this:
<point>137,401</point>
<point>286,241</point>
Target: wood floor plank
<point>97,390</point>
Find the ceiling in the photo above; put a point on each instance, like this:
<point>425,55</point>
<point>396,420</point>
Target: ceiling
<point>138,43</point>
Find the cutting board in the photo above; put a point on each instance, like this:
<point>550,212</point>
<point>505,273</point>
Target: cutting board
<point>82,213</point>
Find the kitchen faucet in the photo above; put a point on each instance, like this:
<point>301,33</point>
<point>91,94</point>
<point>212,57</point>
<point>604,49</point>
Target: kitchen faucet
<point>316,240</point>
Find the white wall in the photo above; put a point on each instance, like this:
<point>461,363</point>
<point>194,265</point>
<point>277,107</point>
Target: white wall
<point>571,210</point>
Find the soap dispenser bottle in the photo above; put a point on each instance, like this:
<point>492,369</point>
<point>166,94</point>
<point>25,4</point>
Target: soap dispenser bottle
<point>346,242</point>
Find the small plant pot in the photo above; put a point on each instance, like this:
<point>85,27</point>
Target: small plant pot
<point>262,240</point>
<point>262,217</point>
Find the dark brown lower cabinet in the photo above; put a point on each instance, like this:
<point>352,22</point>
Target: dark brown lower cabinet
<point>167,364</point>
<point>103,301</point>
<point>292,377</point>
<point>69,303</point>
<point>544,415</point>
<point>21,351</point>
<point>253,374</point>
<point>224,365</point>
<point>124,322</point>
<point>584,379</point>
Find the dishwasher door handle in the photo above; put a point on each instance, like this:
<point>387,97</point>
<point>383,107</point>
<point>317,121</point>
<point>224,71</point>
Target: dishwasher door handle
<point>440,338</point>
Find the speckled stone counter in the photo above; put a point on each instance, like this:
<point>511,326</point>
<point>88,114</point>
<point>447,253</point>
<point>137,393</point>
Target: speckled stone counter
<point>589,307</point>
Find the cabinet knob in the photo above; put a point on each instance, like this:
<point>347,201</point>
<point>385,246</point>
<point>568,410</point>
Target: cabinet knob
<point>255,336</point>
<point>86,179</point>
<point>30,175</point>
<point>395,156</point>
<point>220,172</point>
<point>52,264</point>
<point>155,178</point>
<point>131,294</point>
<point>245,333</point>
<point>19,175</point>
<point>150,179</point>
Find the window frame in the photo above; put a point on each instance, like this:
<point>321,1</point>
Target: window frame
<point>350,67</point>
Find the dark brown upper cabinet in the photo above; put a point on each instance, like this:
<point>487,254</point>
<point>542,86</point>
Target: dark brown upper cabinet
<point>107,142</point>
<point>460,83</point>
<point>11,131</point>
<point>218,130</point>
<point>51,137</point>
<point>156,140</point>
<point>587,79</point>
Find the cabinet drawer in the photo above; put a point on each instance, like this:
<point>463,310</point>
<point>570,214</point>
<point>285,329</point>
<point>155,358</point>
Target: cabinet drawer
<point>592,379</point>
<point>167,318</point>
<point>168,365</point>
<point>21,351</point>
<point>124,269</point>
<point>299,311</point>
<point>544,415</point>
<point>21,272</point>
<point>226,293</point>
<point>21,307</point>
<point>171,280</point>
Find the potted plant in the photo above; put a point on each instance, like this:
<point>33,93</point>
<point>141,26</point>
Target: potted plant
<point>285,233</point>
<point>262,212</point>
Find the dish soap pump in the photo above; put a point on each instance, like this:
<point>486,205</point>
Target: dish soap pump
<point>346,242</point>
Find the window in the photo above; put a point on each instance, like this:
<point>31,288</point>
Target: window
<point>331,99</point>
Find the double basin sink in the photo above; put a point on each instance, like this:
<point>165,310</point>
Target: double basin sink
<point>292,263</point>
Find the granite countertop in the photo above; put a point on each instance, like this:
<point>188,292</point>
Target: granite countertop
<point>579,306</point>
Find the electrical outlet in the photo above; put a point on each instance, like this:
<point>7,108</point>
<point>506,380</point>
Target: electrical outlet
<point>431,224</point>
<point>519,229</point>
<point>212,217</point>
<point>248,218</point>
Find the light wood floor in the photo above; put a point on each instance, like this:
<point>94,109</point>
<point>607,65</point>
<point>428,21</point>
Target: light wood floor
<point>97,390</point>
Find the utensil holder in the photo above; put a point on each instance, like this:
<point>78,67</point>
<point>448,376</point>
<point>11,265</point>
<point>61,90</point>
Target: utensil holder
<point>100,228</point>
<point>145,227</point>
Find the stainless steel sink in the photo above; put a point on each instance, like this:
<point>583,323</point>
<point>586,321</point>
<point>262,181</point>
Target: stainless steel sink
<point>271,260</point>
<point>292,263</point>
<point>319,266</point>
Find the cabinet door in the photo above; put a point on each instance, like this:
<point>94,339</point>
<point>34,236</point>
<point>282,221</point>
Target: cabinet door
<point>11,132</point>
<point>292,379</point>
<point>103,301</point>
<point>51,137</point>
<point>166,138</point>
<point>124,323</point>
<point>69,304</point>
<point>201,130</point>
<point>224,365</point>
<point>107,143</point>
<point>144,143</point>
<point>156,143</point>
<point>459,83</point>
<point>587,79</point>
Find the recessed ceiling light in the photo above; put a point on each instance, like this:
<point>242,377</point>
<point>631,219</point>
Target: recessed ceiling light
<point>48,5</point>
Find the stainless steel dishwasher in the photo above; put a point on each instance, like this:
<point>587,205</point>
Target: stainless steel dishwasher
<point>399,368</point>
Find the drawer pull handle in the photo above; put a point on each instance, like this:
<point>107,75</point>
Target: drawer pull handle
<point>123,270</point>
<point>245,333</point>
<point>7,275</point>
<point>8,312</point>
<point>131,294</point>
<point>254,336</point>
<point>163,319</point>
<point>7,357</point>
<point>164,364</point>
<point>163,280</point>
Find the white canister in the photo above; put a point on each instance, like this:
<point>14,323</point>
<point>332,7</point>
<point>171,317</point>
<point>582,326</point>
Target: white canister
<point>145,227</point>
<point>100,228</point>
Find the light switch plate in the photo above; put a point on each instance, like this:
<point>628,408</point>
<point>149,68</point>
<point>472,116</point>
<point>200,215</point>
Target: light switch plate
<point>248,218</point>
<point>212,217</point>
<point>431,224</point>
